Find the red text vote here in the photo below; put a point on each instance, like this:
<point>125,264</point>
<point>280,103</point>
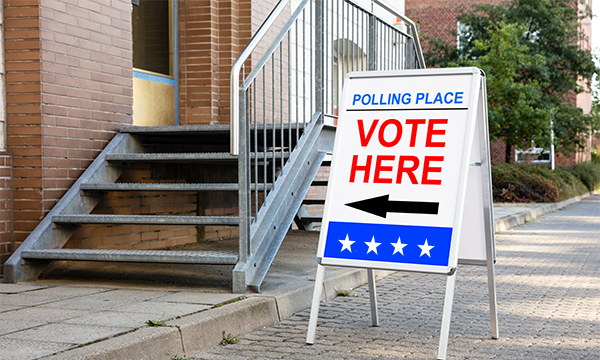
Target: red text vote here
<point>405,166</point>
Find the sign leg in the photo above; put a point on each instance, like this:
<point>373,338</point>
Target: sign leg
<point>373,298</point>
<point>314,308</point>
<point>493,302</point>
<point>488,208</point>
<point>446,316</point>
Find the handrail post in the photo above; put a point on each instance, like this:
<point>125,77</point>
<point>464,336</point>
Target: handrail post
<point>410,56</point>
<point>244,177</point>
<point>372,55</point>
<point>245,215</point>
<point>319,57</point>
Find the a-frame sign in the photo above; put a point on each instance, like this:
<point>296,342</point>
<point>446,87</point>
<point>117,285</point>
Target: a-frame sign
<point>410,182</point>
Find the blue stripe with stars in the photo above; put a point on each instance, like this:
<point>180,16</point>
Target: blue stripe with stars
<point>422,245</point>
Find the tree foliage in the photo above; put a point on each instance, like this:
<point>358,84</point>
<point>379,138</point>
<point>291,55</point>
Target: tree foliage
<point>535,66</point>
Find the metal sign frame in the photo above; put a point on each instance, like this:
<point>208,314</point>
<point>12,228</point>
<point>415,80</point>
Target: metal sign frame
<point>479,123</point>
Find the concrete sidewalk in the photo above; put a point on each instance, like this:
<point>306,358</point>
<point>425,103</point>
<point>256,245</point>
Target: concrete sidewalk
<point>75,313</point>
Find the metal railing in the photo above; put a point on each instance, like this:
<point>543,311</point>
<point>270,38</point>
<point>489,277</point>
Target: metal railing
<point>276,89</point>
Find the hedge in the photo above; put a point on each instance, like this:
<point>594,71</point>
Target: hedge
<point>534,183</point>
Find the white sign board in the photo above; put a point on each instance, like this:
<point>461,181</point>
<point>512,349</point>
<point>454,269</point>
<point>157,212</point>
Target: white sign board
<point>399,172</point>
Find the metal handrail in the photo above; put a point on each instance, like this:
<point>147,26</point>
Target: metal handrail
<point>271,49</point>
<point>411,25</point>
<point>291,87</point>
<point>260,34</point>
<point>236,69</point>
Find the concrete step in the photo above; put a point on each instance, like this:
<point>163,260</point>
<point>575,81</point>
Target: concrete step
<point>311,219</point>
<point>145,220</point>
<point>177,130</point>
<point>190,157</point>
<point>204,136</point>
<point>101,187</point>
<point>194,130</point>
<point>313,201</point>
<point>150,256</point>
<point>319,183</point>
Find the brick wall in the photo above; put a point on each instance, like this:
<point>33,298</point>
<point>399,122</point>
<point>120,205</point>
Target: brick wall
<point>68,85</point>
<point>212,34</point>
<point>23,94</point>
<point>229,48</point>
<point>584,99</point>
<point>198,63</point>
<point>209,44</point>
<point>437,19</point>
<point>498,152</point>
<point>86,85</point>
<point>5,210</point>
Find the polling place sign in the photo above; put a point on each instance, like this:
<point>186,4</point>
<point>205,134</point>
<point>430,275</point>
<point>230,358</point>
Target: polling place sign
<point>399,171</point>
<point>410,182</point>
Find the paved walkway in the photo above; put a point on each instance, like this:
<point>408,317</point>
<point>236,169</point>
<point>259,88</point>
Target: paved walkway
<point>548,284</point>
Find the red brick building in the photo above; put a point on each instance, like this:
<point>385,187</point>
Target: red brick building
<point>438,19</point>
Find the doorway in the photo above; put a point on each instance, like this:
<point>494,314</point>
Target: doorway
<point>155,90</point>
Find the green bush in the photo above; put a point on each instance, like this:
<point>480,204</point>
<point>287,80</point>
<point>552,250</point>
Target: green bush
<point>588,173</point>
<point>595,157</point>
<point>570,185</point>
<point>534,183</point>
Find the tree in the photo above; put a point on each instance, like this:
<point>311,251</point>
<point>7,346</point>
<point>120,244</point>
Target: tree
<point>514,108</point>
<point>530,52</point>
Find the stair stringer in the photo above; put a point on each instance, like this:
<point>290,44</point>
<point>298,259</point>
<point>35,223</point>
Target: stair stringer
<point>48,236</point>
<point>281,205</point>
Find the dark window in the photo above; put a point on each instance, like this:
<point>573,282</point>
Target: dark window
<point>152,36</point>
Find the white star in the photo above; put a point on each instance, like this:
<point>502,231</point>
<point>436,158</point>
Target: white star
<point>346,244</point>
<point>425,249</point>
<point>372,245</point>
<point>398,247</point>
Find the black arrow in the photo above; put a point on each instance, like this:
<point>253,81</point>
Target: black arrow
<point>381,205</point>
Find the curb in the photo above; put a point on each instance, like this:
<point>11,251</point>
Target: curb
<point>198,332</point>
<point>521,218</point>
<point>203,331</point>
